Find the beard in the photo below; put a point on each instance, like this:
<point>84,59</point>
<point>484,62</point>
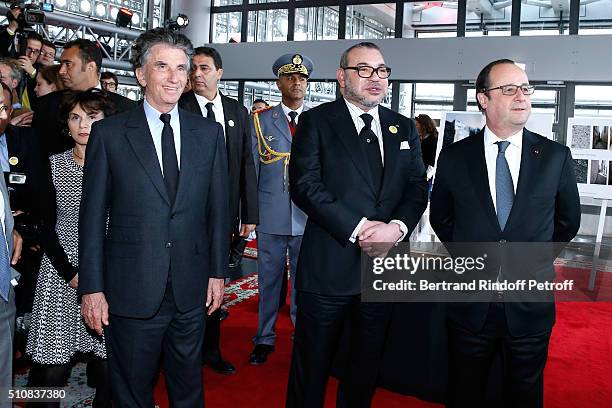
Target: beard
<point>352,94</point>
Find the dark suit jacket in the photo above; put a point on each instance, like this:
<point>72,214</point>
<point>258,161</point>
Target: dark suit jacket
<point>48,123</point>
<point>331,182</point>
<point>242,179</point>
<point>149,239</point>
<point>24,146</point>
<point>546,209</point>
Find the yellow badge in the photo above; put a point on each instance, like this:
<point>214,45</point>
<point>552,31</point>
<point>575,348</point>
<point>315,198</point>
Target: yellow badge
<point>230,123</point>
<point>393,129</point>
<point>297,59</point>
<point>13,161</point>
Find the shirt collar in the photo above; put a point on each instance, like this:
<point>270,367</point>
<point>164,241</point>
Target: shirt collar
<point>356,112</point>
<point>216,101</point>
<point>153,114</point>
<point>286,110</point>
<point>491,138</point>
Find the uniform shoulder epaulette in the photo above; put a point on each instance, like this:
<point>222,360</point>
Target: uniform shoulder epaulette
<point>267,108</point>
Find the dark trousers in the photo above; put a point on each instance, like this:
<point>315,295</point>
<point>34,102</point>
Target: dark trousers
<point>211,350</point>
<point>134,349</point>
<point>471,355</point>
<point>319,324</point>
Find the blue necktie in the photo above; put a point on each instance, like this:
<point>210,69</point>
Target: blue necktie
<point>5,268</point>
<point>504,188</point>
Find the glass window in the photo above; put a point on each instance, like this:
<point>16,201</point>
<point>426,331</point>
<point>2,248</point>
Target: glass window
<point>432,99</point>
<point>593,100</point>
<point>226,26</point>
<point>427,20</point>
<point>595,18</point>
<point>489,18</point>
<point>226,2</point>
<point>229,88</point>
<point>316,23</point>
<point>320,92</point>
<point>370,21</point>
<point>405,102</point>
<point>265,90</point>
<point>267,25</point>
<point>544,19</point>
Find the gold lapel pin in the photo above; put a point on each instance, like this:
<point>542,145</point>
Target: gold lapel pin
<point>230,123</point>
<point>393,129</point>
<point>13,161</point>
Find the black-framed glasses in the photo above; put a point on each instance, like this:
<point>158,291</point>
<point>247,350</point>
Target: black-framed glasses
<point>511,90</point>
<point>110,84</point>
<point>365,71</point>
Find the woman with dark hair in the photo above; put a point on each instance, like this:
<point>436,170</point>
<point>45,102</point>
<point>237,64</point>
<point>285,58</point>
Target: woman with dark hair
<point>48,80</point>
<point>429,138</point>
<point>58,332</point>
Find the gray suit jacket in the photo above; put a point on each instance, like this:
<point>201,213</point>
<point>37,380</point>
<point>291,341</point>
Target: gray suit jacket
<point>277,213</point>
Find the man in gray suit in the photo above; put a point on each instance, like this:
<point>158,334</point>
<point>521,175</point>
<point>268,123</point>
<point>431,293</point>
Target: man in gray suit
<point>10,243</point>
<point>281,223</point>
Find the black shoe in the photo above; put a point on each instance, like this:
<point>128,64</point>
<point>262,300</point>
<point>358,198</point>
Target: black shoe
<point>221,366</point>
<point>260,354</point>
<point>223,314</point>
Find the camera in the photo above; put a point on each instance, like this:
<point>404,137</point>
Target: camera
<point>31,13</point>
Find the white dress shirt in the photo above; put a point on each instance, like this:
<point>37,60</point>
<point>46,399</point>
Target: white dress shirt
<point>217,108</point>
<point>286,110</point>
<point>513,157</point>
<point>156,126</point>
<point>377,129</point>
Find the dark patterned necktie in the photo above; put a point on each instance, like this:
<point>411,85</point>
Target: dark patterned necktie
<point>5,267</point>
<point>371,147</point>
<point>292,124</point>
<point>169,160</point>
<point>210,114</point>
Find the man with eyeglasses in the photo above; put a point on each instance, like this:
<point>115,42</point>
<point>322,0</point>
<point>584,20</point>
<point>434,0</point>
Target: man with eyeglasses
<point>109,81</point>
<point>356,170</point>
<point>47,53</point>
<point>504,185</point>
<point>27,62</point>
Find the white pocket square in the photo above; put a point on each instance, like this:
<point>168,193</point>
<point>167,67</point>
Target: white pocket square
<point>404,145</point>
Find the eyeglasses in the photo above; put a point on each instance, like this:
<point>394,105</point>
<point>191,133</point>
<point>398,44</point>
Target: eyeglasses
<point>50,54</point>
<point>511,90</point>
<point>30,51</point>
<point>109,84</point>
<point>366,71</point>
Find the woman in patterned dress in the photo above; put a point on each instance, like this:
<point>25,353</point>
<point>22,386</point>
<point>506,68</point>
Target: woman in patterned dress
<point>58,332</point>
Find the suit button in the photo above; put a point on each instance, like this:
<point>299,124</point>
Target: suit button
<point>168,244</point>
<point>172,216</point>
<point>502,241</point>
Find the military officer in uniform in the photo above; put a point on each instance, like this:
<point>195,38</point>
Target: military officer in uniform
<point>281,223</point>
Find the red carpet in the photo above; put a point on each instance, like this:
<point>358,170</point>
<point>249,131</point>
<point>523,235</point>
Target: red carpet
<point>578,373</point>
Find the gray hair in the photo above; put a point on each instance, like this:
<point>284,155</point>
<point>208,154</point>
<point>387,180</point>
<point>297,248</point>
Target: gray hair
<point>14,66</point>
<point>141,48</point>
<point>364,44</point>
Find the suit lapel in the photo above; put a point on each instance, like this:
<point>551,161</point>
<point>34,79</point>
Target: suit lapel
<point>391,144</point>
<point>231,138</point>
<point>139,137</point>
<point>345,129</point>
<point>528,173</point>
<point>189,156</point>
<point>477,166</point>
<point>280,121</point>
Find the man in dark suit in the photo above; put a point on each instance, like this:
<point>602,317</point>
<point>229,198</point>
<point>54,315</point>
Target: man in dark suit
<point>356,171</point>
<point>206,100</point>
<point>10,251</point>
<point>26,172</point>
<point>159,175</point>
<point>505,184</point>
<point>79,71</point>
